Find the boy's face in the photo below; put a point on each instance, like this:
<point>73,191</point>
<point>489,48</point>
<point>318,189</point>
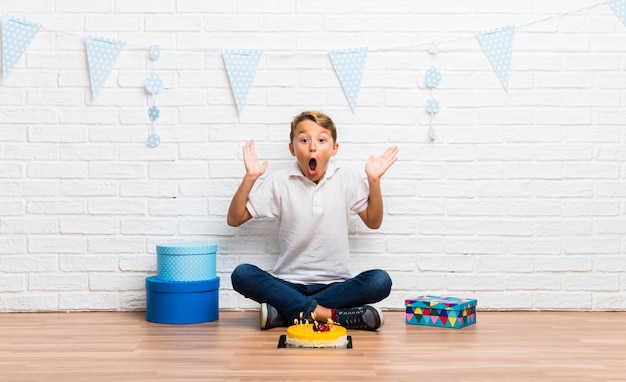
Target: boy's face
<point>312,146</point>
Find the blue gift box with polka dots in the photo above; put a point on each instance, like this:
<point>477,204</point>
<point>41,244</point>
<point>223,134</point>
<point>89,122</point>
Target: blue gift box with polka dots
<point>185,289</point>
<point>186,261</point>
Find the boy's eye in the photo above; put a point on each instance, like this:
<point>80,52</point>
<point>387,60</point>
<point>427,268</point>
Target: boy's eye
<point>304,140</point>
<point>321,140</point>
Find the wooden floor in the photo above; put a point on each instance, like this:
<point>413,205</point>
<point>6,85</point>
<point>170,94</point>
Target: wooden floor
<point>502,346</point>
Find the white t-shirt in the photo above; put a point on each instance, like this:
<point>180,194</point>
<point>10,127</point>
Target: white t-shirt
<point>313,221</point>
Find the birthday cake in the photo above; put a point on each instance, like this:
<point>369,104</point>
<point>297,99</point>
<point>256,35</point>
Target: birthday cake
<point>316,335</point>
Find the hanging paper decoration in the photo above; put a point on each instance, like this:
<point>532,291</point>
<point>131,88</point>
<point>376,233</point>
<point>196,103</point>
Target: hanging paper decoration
<point>101,54</point>
<point>16,36</point>
<point>432,77</point>
<point>619,8</point>
<point>349,64</point>
<point>241,66</point>
<point>154,84</point>
<point>497,45</point>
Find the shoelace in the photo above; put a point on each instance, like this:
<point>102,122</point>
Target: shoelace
<point>354,320</point>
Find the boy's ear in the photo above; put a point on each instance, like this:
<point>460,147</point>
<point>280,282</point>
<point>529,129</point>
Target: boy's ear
<point>291,150</point>
<point>335,149</point>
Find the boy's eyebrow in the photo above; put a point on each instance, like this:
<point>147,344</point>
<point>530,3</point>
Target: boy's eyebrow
<point>306,132</point>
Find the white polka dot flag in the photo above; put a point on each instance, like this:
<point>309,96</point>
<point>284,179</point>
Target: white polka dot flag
<point>349,64</point>
<point>498,46</point>
<point>241,67</point>
<point>16,36</point>
<point>619,8</point>
<point>101,54</point>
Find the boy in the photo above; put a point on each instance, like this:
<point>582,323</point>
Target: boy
<point>312,202</point>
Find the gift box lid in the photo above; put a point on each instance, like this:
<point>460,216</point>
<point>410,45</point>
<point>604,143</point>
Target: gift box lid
<point>186,248</point>
<point>154,284</point>
<point>438,302</point>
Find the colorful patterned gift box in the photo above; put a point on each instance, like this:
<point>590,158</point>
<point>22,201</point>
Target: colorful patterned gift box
<point>445,312</point>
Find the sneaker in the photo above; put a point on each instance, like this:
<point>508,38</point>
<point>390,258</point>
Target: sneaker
<point>270,318</point>
<point>366,317</point>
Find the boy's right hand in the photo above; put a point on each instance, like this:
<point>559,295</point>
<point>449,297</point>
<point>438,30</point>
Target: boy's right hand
<point>238,212</point>
<point>254,168</point>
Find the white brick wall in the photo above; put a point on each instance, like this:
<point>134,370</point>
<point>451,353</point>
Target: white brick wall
<point>519,203</point>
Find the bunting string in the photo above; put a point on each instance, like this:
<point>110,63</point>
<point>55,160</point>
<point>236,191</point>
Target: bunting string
<point>613,4</point>
<point>241,65</point>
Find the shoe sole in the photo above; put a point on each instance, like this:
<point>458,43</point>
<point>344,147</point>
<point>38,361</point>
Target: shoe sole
<point>264,314</point>
<point>380,316</point>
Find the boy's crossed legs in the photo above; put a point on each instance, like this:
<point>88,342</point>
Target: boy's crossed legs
<point>345,302</point>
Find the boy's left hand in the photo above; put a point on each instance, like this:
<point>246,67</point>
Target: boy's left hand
<point>376,167</point>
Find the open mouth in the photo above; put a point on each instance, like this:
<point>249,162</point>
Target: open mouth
<point>312,166</point>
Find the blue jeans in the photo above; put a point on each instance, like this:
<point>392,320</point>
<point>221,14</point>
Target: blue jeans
<point>291,299</point>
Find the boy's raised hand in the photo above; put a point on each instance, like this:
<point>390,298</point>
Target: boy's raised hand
<point>254,168</point>
<point>376,167</point>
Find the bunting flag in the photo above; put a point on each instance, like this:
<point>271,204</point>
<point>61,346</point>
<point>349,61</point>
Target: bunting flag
<point>241,66</point>
<point>498,46</point>
<point>101,54</point>
<point>619,8</point>
<point>349,64</point>
<point>16,36</point>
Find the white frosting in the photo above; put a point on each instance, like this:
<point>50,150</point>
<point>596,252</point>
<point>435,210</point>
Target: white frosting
<point>340,342</point>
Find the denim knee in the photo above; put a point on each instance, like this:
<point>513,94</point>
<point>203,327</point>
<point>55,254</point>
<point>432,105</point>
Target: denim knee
<point>381,282</point>
<point>241,273</point>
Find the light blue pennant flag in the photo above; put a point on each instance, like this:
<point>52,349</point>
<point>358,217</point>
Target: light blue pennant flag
<point>241,67</point>
<point>498,46</point>
<point>349,64</point>
<point>619,8</point>
<point>16,36</point>
<point>101,54</point>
